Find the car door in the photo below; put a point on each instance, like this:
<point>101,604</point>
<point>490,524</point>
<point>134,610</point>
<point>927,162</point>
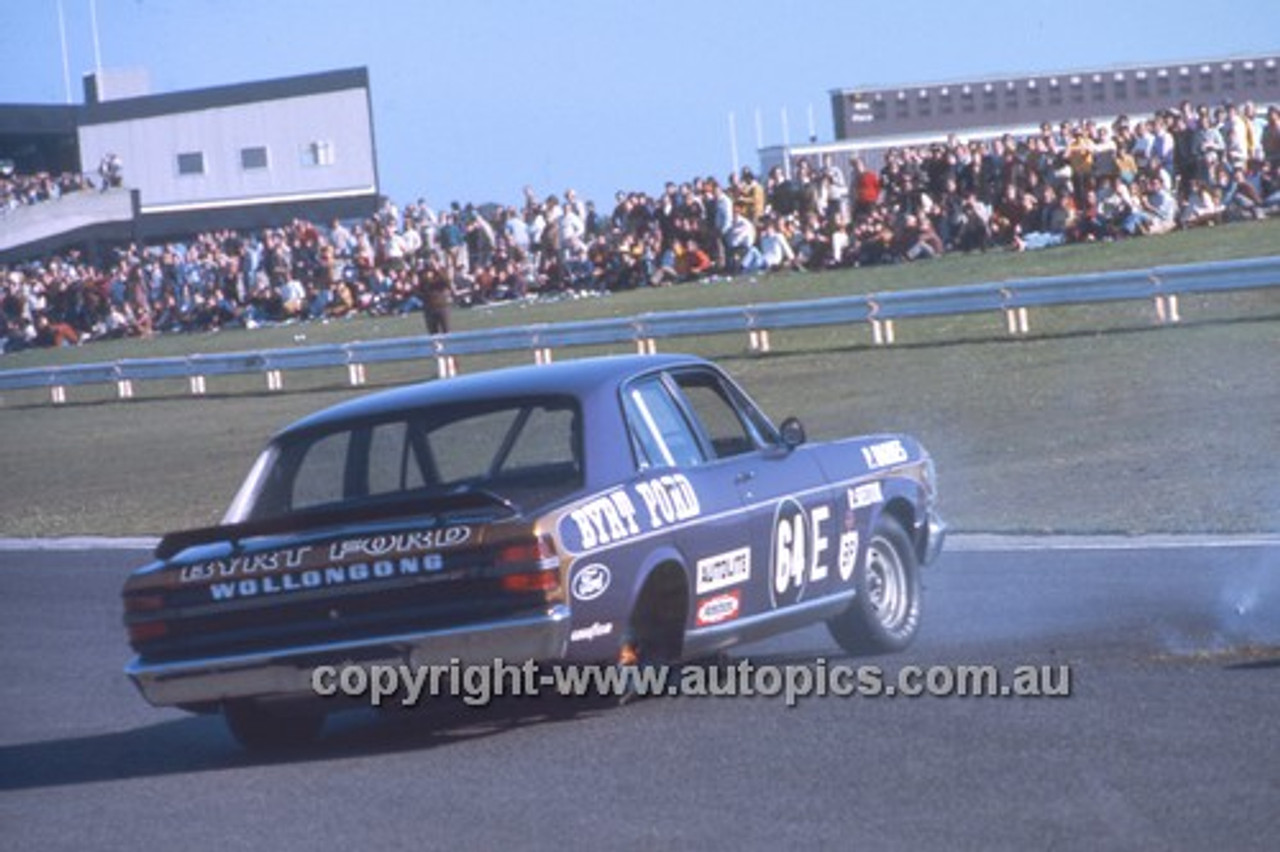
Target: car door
<point>784,516</point>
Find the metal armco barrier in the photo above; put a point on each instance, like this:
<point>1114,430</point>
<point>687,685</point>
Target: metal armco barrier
<point>1014,298</point>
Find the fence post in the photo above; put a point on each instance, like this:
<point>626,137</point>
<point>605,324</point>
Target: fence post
<point>197,386</point>
<point>355,374</point>
<point>275,381</point>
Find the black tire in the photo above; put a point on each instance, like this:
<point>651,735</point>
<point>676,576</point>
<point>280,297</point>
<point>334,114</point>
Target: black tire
<point>264,729</point>
<point>656,628</point>
<point>884,617</point>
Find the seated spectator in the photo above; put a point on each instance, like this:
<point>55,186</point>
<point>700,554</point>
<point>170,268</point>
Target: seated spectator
<point>1201,207</point>
<point>775,249</point>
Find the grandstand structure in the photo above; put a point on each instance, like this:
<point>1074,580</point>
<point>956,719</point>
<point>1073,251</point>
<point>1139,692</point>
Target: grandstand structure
<point>247,155</point>
<point>869,120</point>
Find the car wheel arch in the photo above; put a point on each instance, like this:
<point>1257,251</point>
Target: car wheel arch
<point>660,608</point>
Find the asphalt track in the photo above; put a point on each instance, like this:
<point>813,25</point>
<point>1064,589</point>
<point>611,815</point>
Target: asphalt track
<point>1170,739</point>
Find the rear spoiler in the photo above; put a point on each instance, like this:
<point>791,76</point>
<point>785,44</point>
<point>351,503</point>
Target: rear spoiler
<point>176,542</point>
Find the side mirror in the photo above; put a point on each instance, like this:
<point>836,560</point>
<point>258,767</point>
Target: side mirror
<point>792,433</point>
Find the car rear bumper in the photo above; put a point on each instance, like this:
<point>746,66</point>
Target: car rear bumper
<point>287,673</point>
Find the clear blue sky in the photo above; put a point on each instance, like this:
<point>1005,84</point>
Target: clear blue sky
<point>473,99</point>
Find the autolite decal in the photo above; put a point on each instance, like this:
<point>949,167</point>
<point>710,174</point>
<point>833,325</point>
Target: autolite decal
<point>722,607</point>
<point>723,570</point>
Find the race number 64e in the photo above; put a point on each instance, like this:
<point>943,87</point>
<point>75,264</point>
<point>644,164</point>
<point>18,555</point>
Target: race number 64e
<point>799,545</point>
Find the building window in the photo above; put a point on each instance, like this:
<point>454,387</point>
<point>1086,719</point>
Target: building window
<point>253,158</point>
<point>191,163</point>
<point>319,153</point>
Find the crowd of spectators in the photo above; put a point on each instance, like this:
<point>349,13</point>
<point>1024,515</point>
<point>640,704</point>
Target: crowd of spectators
<point>1073,182</point>
<point>23,190</point>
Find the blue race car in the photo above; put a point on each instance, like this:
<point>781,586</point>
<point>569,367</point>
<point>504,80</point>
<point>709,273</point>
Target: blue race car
<point>630,508</point>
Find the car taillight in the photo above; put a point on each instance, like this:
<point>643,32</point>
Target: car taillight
<point>533,581</point>
<point>141,606</point>
<point>529,566</point>
<point>145,631</point>
<point>143,603</point>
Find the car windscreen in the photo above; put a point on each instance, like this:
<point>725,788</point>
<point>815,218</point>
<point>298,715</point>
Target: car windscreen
<point>518,453</point>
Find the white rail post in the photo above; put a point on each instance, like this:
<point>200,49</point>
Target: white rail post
<point>355,374</point>
<point>1024,321</point>
<point>758,340</point>
<point>197,386</point>
<point>124,389</point>
<point>275,380</point>
<point>58,394</point>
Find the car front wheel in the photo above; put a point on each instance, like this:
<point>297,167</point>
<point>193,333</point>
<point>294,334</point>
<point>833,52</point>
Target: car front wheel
<point>885,613</point>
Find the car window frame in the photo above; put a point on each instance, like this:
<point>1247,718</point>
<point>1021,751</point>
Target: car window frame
<point>633,425</point>
<point>749,416</point>
<point>286,453</point>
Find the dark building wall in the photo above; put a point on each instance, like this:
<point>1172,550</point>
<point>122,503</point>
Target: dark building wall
<point>1022,101</point>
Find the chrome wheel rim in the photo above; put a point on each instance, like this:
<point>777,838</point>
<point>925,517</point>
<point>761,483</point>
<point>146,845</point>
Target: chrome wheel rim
<point>887,587</point>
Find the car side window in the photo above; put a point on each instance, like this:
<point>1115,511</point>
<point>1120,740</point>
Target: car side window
<point>392,465</point>
<point>720,419</point>
<point>321,475</point>
<point>662,433</point>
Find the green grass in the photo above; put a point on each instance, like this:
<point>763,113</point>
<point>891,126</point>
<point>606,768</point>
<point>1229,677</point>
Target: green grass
<point>1100,422</point>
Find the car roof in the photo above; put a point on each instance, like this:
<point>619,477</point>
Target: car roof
<point>580,378</point>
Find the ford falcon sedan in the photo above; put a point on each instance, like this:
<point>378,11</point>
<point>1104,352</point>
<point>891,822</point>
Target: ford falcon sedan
<point>628,509</point>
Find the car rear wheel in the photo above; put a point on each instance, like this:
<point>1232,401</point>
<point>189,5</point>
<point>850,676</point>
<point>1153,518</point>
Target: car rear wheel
<point>655,634</point>
<point>263,728</point>
<point>885,614</point>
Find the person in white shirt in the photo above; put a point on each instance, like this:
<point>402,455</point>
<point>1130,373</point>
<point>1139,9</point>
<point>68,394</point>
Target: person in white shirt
<point>775,249</point>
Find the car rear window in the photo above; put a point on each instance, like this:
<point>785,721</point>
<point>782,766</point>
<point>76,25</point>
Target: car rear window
<point>526,451</point>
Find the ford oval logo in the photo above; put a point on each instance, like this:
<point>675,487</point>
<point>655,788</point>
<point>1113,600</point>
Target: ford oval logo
<point>590,582</point>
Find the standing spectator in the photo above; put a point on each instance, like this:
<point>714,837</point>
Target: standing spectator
<point>435,283</point>
<point>111,170</point>
<point>751,198</point>
<point>1271,137</point>
<point>720,215</point>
